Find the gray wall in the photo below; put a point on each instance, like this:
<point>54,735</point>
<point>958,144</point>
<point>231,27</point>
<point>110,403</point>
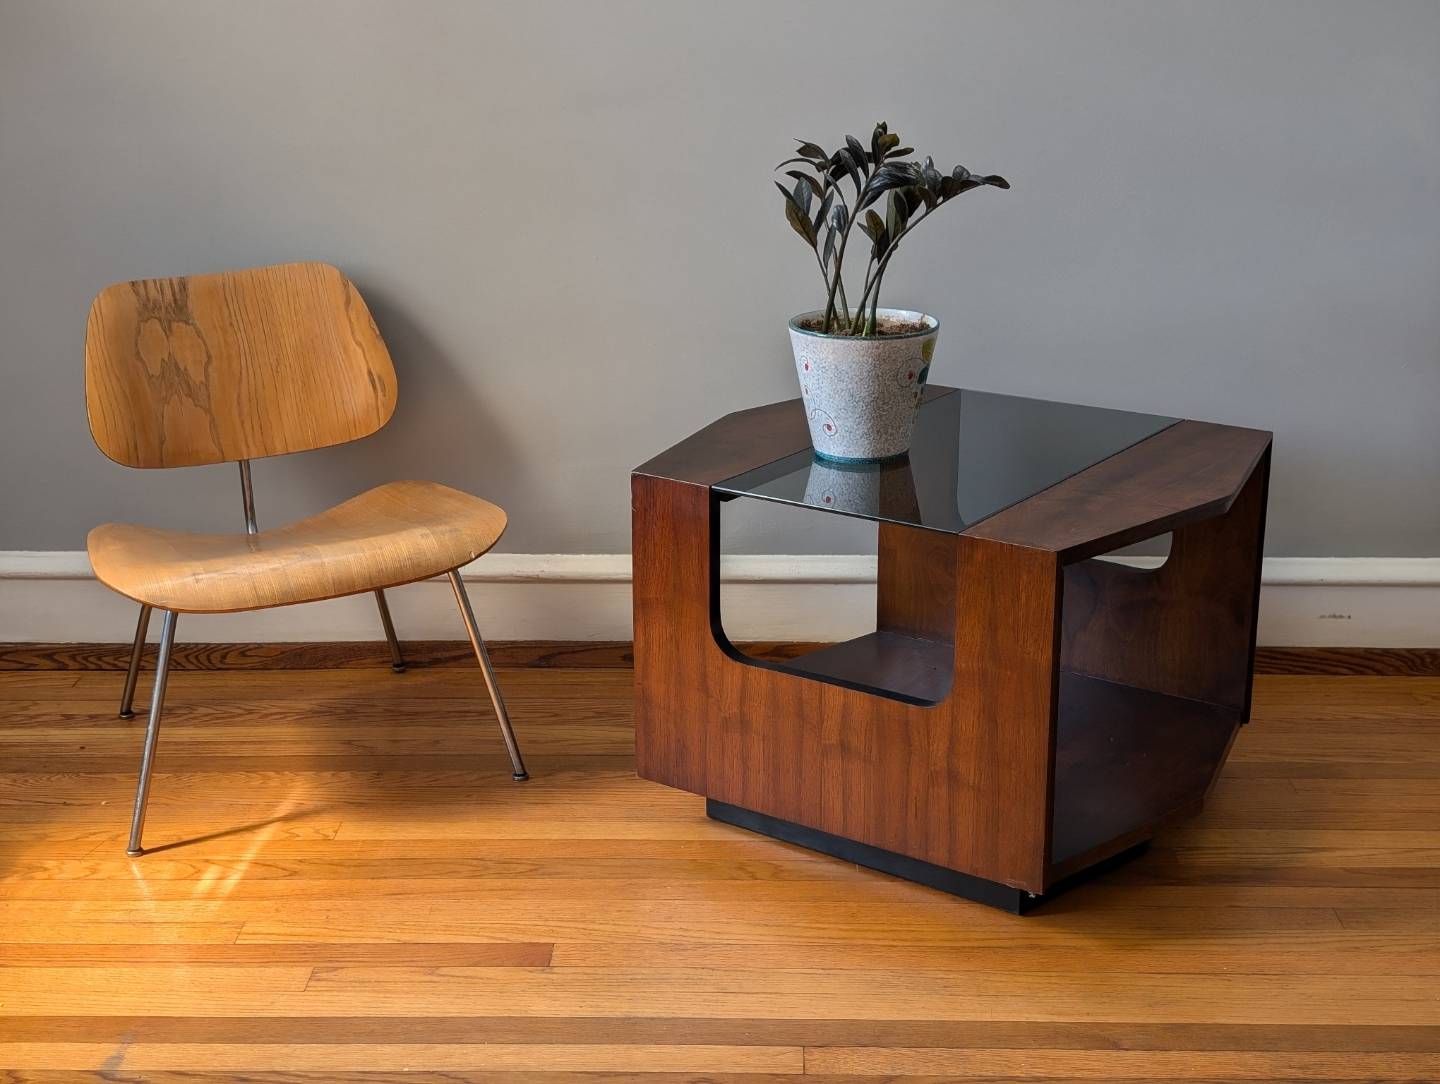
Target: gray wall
<point>562,215</point>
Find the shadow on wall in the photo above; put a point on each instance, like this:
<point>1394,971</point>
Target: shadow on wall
<point>444,429</point>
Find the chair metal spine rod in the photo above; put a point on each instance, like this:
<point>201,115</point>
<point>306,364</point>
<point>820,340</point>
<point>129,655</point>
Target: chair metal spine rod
<point>477,642</point>
<point>152,733</point>
<point>247,493</point>
<point>137,651</point>
<point>397,660</point>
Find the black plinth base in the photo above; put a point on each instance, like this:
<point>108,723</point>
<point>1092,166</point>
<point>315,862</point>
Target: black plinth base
<point>991,893</point>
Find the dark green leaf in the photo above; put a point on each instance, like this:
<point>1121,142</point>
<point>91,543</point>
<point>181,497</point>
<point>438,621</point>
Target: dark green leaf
<point>807,180</point>
<point>840,217</point>
<point>931,175</point>
<point>800,223</point>
<point>829,253</point>
<point>856,168</point>
<point>811,151</point>
<point>897,174</point>
<point>876,231</point>
<point>857,152</point>
<point>962,180</point>
<point>882,142</point>
<point>899,152</point>
<point>796,217</point>
<point>847,163</point>
<point>890,175</point>
<point>802,198</point>
<point>897,214</point>
<point>824,209</point>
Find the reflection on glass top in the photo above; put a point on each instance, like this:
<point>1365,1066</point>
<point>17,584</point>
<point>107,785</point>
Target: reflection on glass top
<point>974,453</point>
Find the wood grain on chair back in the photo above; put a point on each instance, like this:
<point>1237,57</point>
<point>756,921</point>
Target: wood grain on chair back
<point>213,368</point>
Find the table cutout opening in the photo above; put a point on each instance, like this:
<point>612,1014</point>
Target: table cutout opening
<point>865,648</point>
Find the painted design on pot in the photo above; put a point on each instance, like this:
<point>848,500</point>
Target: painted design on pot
<point>818,418</point>
<point>912,374</point>
<point>861,394</point>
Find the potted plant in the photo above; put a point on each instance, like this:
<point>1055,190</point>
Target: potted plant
<point>862,368</point>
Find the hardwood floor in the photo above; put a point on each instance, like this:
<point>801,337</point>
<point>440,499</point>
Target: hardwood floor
<point>347,886</point>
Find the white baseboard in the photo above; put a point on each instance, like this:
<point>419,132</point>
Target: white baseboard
<point>52,597</point>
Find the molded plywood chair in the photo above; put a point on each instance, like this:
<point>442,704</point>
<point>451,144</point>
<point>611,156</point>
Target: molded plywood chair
<point>231,367</point>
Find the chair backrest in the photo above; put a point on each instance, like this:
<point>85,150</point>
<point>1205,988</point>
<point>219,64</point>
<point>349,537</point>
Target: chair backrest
<point>215,368</point>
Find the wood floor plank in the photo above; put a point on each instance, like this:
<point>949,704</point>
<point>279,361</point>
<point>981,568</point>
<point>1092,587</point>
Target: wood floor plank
<point>399,1056</point>
<point>410,1075</point>
<point>884,994</point>
<point>845,886</point>
<point>363,870</point>
<point>1121,1065</point>
<point>78,937</point>
<point>923,918</point>
<point>1299,953</point>
<point>239,845</point>
<point>809,1032</point>
<point>1400,805</point>
<point>229,954</point>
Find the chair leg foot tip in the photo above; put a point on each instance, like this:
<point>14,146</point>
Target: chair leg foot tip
<point>127,715</point>
<point>134,852</point>
<point>398,669</point>
<point>519,777</point>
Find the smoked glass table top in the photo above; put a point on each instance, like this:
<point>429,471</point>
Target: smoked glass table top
<point>974,454</point>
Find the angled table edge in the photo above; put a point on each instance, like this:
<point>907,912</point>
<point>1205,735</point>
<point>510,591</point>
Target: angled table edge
<point>1187,472</point>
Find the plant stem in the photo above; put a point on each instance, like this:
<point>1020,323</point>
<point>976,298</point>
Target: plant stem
<point>875,303</point>
<point>821,262</point>
<point>857,323</point>
<point>838,284</point>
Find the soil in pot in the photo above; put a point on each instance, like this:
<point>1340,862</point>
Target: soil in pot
<point>885,327</point>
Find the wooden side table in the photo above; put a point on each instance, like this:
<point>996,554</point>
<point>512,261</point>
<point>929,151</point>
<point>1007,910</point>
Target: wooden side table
<point>1022,714</point>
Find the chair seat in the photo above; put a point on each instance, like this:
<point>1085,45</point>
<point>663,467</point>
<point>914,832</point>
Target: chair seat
<point>396,533</point>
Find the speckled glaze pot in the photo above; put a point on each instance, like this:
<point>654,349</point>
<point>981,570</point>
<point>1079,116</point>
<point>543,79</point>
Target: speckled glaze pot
<point>861,395</point>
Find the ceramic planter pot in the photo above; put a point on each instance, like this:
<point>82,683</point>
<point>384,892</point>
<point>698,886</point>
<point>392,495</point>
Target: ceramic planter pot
<point>861,395</point>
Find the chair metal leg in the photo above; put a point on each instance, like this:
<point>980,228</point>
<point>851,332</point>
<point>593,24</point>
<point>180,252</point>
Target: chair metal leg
<point>127,698</point>
<point>397,660</point>
<point>461,599</point>
<point>152,732</point>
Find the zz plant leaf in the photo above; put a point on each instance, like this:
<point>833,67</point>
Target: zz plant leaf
<point>912,192</point>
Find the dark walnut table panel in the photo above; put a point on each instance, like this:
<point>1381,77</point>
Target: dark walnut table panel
<point>1022,713</point>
